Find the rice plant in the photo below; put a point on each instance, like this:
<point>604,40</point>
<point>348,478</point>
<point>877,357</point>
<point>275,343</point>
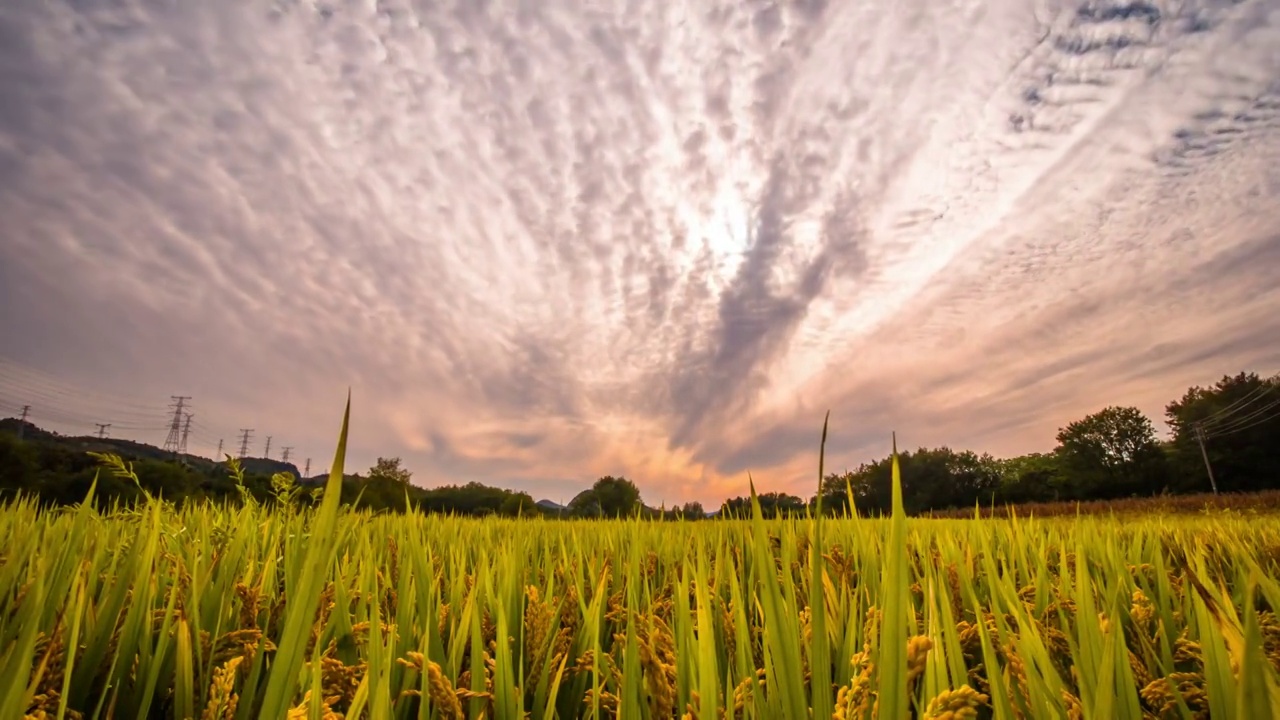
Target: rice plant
<point>274,611</point>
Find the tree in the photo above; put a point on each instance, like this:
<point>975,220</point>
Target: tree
<point>519,504</point>
<point>616,496</point>
<point>389,469</point>
<point>692,511</point>
<point>585,504</point>
<point>1036,477</point>
<point>772,504</point>
<point>932,479</point>
<point>835,490</point>
<point>1240,419</point>
<point>1112,453</point>
<point>941,478</point>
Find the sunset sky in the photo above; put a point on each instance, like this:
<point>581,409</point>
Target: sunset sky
<point>543,241</point>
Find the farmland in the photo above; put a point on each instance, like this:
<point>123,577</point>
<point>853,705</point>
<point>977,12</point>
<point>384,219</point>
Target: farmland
<point>274,611</point>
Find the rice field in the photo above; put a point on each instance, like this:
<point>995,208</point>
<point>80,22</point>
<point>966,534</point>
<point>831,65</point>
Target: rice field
<point>271,611</point>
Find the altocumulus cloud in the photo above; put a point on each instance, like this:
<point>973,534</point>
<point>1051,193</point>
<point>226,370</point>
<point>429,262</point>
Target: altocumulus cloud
<point>545,241</point>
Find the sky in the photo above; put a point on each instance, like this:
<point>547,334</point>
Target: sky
<point>543,241</point>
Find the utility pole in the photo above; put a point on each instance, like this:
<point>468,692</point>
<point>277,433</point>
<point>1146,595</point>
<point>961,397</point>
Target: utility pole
<point>244,442</point>
<point>102,430</point>
<point>186,431</point>
<point>22,422</point>
<point>286,450</point>
<point>173,442</point>
<point>1205,454</point>
<point>218,457</point>
<point>307,472</point>
<point>267,452</point>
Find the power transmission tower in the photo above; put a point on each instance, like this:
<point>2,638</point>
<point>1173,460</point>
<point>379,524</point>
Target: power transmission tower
<point>244,442</point>
<point>1205,454</point>
<point>186,431</point>
<point>286,449</point>
<point>267,452</point>
<point>218,457</point>
<point>174,441</point>
<point>102,430</point>
<point>22,422</point>
<point>307,472</point>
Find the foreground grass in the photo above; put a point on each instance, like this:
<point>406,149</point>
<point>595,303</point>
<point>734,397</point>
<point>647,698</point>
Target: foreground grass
<point>188,614</point>
<point>248,612</point>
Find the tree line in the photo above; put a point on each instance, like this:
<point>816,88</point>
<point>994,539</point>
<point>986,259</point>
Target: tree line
<point>1229,432</point>
<point>1110,454</point>
<point>1223,438</point>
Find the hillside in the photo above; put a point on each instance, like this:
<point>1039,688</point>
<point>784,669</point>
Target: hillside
<point>130,450</point>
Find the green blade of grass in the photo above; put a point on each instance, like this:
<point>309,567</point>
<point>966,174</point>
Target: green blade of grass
<point>283,676</point>
<point>895,601</point>
<point>819,643</point>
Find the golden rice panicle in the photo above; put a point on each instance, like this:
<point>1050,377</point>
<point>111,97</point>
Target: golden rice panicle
<point>691,708</point>
<point>658,665</point>
<point>337,679</point>
<point>302,710</point>
<point>51,651</point>
<point>918,648</point>
<point>857,699</point>
<point>222,694</point>
<point>442,620</point>
<point>250,599</point>
<point>742,694</point>
<point>242,643</point>
<point>1015,672</point>
<point>442,694</point>
<point>538,616</point>
<point>959,704</point>
<point>1142,610</point>
<point>1075,708</point>
<point>1190,686</point>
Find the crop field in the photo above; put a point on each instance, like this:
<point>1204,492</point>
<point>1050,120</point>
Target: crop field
<point>270,611</point>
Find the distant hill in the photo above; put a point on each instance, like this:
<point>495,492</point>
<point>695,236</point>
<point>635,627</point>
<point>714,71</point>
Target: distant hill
<point>318,480</point>
<point>267,466</point>
<point>57,469</point>
<point>130,450</point>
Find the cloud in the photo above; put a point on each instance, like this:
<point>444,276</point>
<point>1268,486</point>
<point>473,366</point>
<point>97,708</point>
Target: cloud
<point>543,242</point>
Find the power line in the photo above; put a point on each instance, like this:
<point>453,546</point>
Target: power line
<point>52,387</point>
<point>205,433</point>
<point>267,452</point>
<point>1238,423</point>
<point>54,392</point>
<point>58,415</point>
<point>1224,414</point>
<point>286,449</point>
<point>84,412</point>
<point>86,417</point>
<point>244,442</point>
<point>1229,420</point>
<point>218,457</point>
<point>58,403</point>
<point>73,410</point>
<point>1245,426</point>
<point>307,472</point>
